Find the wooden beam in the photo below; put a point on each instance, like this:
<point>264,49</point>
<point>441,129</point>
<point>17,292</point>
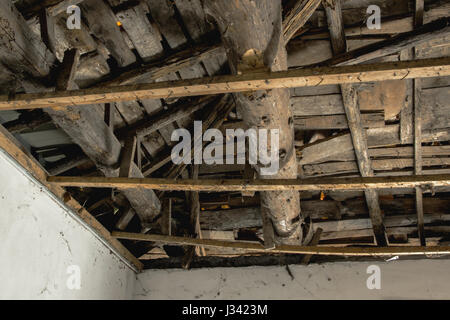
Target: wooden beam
<point>127,157</point>
<point>172,63</point>
<point>125,218</point>
<point>211,185</point>
<point>298,16</point>
<point>337,251</point>
<point>181,111</point>
<point>12,147</point>
<point>47,25</point>
<point>212,120</point>
<point>258,44</point>
<point>194,217</point>
<point>87,128</point>
<point>20,50</point>
<point>314,242</point>
<point>239,83</point>
<point>166,217</point>
<point>351,107</point>
<point>437,29</point>
<point>419,11</point>
<point>416,91</point>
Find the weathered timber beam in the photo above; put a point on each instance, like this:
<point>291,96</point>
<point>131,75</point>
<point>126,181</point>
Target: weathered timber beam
<point>28,120</point>
<point>158,69</point>
<point>87,128</point>
<point>351,107</point>
<point>400,212</point>
<point>347,251</point>
<point>47,25</point>
<point>12,147</point>
<point>54,7</point>
<point>239,83</point>
<point>259,44</point>
<point>407,40</point>
<point>211,185</point>
<point>298,16</point>
<point>21,50</point>
<point>417,110</point>
<point>180,111</point>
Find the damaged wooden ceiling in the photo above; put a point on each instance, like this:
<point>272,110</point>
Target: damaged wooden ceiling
<point>397,124</point>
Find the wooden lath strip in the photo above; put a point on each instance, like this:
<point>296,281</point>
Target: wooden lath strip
<point>235,83</point>
<point>213,185</point>
<point>11,146</point>
<point>335,251</point>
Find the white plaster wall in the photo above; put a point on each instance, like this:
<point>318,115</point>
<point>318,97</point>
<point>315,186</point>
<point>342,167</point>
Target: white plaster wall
<point>422,279</point>
<point>40,239</point>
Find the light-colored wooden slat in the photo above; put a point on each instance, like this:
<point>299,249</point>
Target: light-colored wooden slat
<point>235,83</point>
<point>212,185</point>
<point>337,251</point>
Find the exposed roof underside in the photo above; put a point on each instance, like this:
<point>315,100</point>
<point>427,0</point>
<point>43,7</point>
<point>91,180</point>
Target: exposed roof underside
<point>131,42</point>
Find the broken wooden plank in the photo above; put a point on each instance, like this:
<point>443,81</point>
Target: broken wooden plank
<point>237,83</point>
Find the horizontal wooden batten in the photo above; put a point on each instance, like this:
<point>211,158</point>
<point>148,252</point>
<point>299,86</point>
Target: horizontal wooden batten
<point>234,83</point>
<point>334,251</point>
<point>210,185</point>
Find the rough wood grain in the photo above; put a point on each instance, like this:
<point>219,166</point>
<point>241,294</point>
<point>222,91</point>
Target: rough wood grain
<point>211,185</point>
<point>239,83</point>
<point>347,251</point>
